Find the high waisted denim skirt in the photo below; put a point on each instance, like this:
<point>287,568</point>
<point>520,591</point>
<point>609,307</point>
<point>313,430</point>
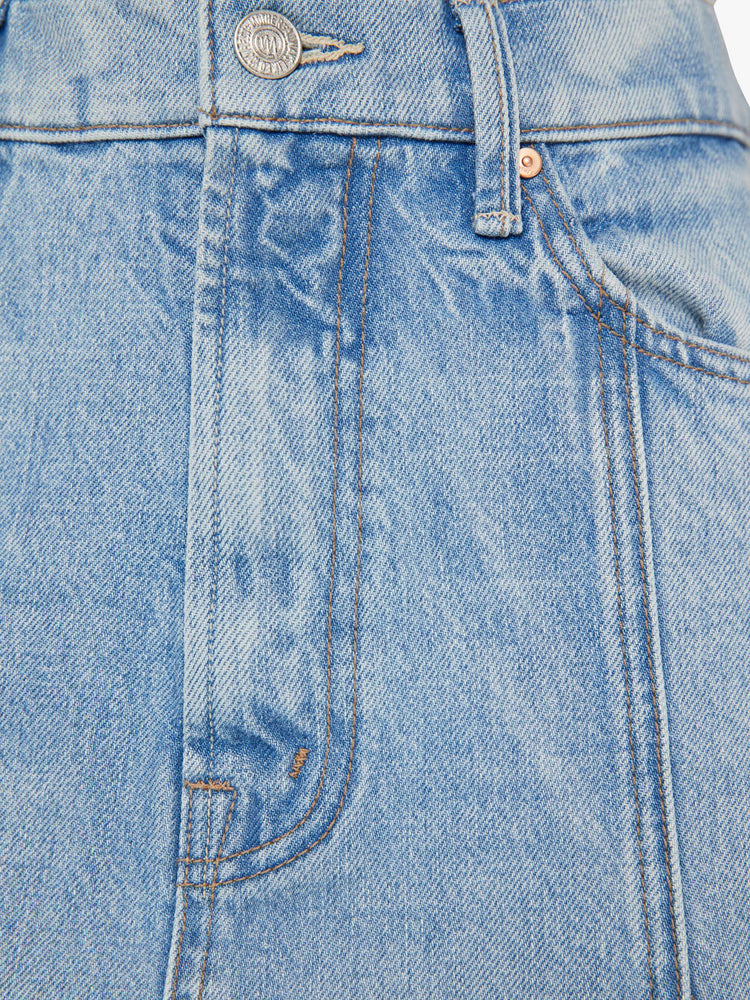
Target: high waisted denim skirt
<point>374,501</point>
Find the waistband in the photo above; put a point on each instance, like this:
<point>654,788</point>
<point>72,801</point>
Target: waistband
<point>72,70</point>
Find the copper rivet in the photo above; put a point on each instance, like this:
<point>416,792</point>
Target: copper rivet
<point>529,163</point>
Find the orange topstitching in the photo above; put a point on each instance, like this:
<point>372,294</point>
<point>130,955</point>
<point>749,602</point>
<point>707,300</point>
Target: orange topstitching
<point>241,878</point>
<point>305,817</point>
<point>625,311</point>
<point>623,645</point>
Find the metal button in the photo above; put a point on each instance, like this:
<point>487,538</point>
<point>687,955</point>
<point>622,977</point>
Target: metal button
<point>529,162</point>
<point>267,44</point>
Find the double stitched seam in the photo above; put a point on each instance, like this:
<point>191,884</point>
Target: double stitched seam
<point>636,124</point>
<point>184,894</point>
<point>503,150</point>
<point>657,719</point>
<point>625,311</point>
<point>214,883</point>
<point>144,127</point>
<point>211,57</point>
<point>90,128</point>
<point>649,656</point>
<point>204,876</point>
<point>211,638</point>
<point>623,646</point>
<point>680,364</point>
<point>312,805</point>
<point>355,639</point>
<point>340,121</point>
<point>604,326</point>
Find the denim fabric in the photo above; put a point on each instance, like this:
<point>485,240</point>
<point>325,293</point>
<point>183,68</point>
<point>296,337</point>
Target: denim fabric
<point>374,592</point>
<point>584,68</point>
<point>497,197</point>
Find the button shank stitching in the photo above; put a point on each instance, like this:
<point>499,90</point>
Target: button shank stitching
<point>322,48</point>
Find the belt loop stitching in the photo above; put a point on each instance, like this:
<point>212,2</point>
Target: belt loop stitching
<point>497,194</point>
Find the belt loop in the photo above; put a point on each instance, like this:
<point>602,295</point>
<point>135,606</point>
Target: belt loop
<point>497,141</point>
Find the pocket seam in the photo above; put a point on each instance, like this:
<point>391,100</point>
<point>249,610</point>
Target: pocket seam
<point>625,312</point>
<point>623,309</point>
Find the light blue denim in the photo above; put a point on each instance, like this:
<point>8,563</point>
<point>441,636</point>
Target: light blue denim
<point>374,547</point>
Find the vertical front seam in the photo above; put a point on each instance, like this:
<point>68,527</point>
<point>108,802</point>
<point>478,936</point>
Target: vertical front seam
<point>214,883</point>
<point>355,625</point>
<point>623,645</point>
<point>649,656</point>
<point>176,976</point>
<point>211,638</point>
<point>329,641</point>
<point>672,871</point>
